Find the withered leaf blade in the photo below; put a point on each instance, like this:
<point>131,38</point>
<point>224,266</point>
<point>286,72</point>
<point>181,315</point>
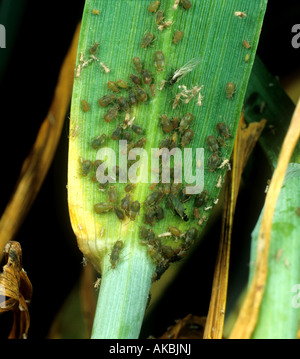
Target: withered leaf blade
<point>15,291</point>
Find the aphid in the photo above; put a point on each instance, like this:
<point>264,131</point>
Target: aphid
<point>186,4</point>
<point>213,162</point>
<point>106,100</point>
<point>152,90</point>
<point>223,130</point>
<point>140,143</point>
<point>147,78</point>
<point>177,37</point>
<point>123,104</point>
<point>159,60</point>
<point>196,213</point>
<point>111,114</point>
<point>166,143</point>
<point>159,17</point>
<point>95,12</point>
<point>240,14</point>
<point>167,252</point>
<point>150,217</point>
<point>174,203</point>
<point>187,137</point>
<point>129,187</point>
<point>201,199</point>
<point>131,98</point>
<point>140,93</point>
<point>137,62</point>
<point>135,79</point>
<point>154,6</point>
<point>247,57</point>
<point>126,136</point>
<point>154,198</point>
<point>85,106</point>
<point>117,133</point>
<point>125,203</point>
<point>166,124</point>
<point>191,235</point>
<point>115,254</point>
<point>112,86</point>
<point>137,129</point>
<point>134,210</point>
<point>159,213</point>
<point>94,48</point>
<point>175,122</point>
<point>147,39</point>
<point>103,207</point>
<point>119,213</point>
<point>112,194</point>
<point>175,231</point>
<point>246,44</point>
<point>122,84</point>
<point>212,144</point>
<point>185,122</point>
<point>230,89</point>
<point>86,166</point>
<point>184,70</point>
<point>98,141</point>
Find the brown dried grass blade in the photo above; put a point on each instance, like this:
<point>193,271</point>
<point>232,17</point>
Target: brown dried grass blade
<point>15,291</point>
<point>36,165</point>
<point>190,327</point>
<point>244,143</point>
<point>248,315</point>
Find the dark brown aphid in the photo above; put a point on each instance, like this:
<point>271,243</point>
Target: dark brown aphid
<point>98,141</point>
<point>85,106</point>
<point>159,213</point>
<point>140,143</point>
<point>175,122</point>
<point>212,144</point>
<point>183,196</point>
<point>147,39</point>
<point>196,213</point>
<point>112,194</point>
<point>125,203</point>
<point>86,166</point>
<point>111,114</point>
<point>106,100</point>
<point>221,142</point>
<point>112,86</point>
<point>126,136</point>
<point>137,129</point>
<point>174,203</point>
<point>186,4</point>
<point>122,84</point>
<point>140,93</point>
<point>150,217</point>
<point>131,98</point>
<point>230,89</point>
<point>135,79</point>
<point>175,231</point>
<point>159,60</point>
<point>94,48</point>
<point>167,252</point>
<point>191,235</point>
<point>166,143</point>
<point>115,254</point>
<point>159,17</point>
<point>123,104</point>
<point>147,78</point>
<point>154,198</point>
<point>166,124</point>
<point>223,130</point>
<point>129,187</point>
<point>213,162</point>
<point>185,122</point>
<point>117,133</point>
<point>187,137</point>
<point>154,6</point>
<point>152,90</point>
<point>177,37</point>
<point>137,62</point>
<point>119,213</point>
<point>103,207</point>
<point>134,210</point>
<point>147,233</point>
<point>201,199</point>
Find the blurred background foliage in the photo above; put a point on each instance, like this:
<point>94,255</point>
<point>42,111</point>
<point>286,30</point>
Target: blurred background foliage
<point>38,37</point>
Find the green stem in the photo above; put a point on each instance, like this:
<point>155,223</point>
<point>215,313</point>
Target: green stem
<point>123,297</point>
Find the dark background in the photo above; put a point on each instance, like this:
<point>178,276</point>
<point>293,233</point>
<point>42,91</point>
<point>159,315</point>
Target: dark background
<point>50,254</point>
